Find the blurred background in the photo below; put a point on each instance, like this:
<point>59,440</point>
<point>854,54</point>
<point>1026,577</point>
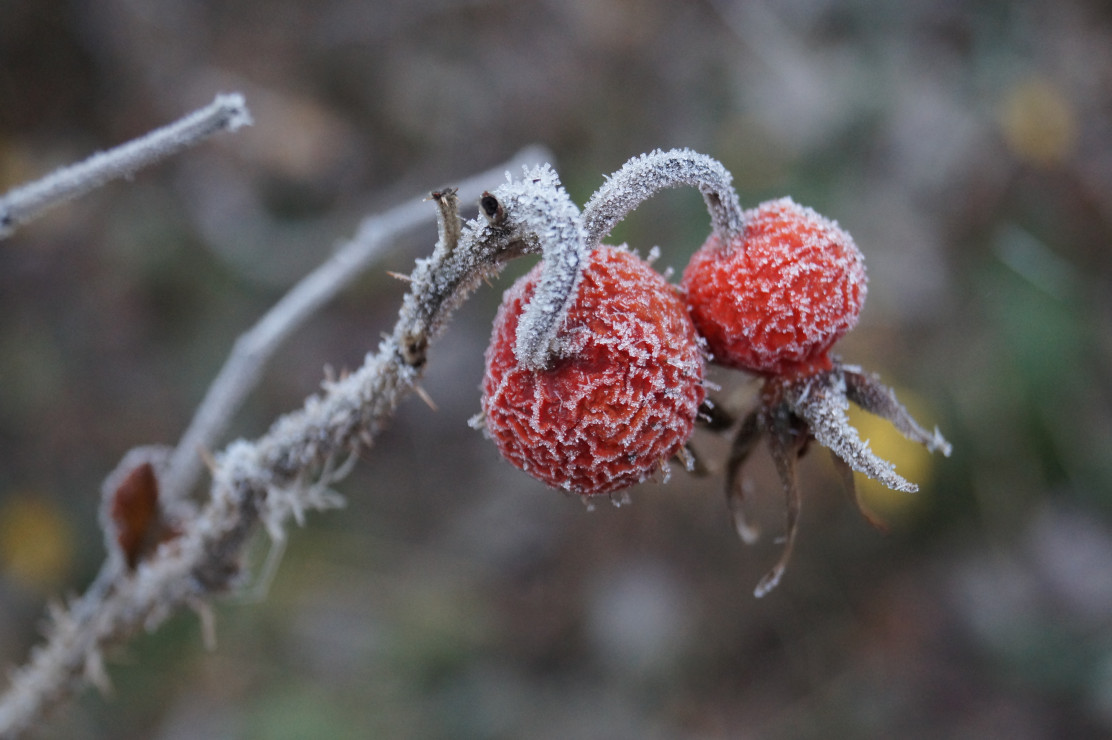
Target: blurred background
<point>967,147</point>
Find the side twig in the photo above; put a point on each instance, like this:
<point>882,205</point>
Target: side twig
<point>18,206</point>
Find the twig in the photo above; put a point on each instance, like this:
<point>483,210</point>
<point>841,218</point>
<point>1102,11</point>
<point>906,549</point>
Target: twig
<point>23,204</point>
<point>245,364</point>
<point>277,476</point>
<point>645,176</point>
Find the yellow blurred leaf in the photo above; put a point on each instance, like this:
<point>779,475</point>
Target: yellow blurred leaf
<point>912,461</point>
<point>35,542</point>
<point>1038,122</point>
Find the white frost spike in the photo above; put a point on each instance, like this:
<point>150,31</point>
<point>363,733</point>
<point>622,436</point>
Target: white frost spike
<point>544,216</point>
<point>645,176</point>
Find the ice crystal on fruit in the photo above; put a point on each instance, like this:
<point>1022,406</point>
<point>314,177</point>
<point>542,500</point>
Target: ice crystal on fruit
<point>775,299</point>
<point>622,396</point>
<point>587,387</point>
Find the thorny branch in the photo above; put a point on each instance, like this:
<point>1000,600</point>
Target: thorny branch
<point>282,474</point>
<point>257,345</point>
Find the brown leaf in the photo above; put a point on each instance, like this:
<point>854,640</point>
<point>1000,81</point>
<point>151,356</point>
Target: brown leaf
<point>134,511</point>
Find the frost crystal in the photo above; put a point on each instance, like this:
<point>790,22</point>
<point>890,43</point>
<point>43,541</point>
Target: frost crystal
<point>821,401</point>
<point>795,410</point>
<point>17,207</point>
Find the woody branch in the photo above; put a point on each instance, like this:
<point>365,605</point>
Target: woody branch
<point>283,473</point>
<point>286,472</point>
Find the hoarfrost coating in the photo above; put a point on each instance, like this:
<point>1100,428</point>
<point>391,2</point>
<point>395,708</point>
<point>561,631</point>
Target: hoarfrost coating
<point>775,299</point>
<point>540,199</point>
<point>623,397</point>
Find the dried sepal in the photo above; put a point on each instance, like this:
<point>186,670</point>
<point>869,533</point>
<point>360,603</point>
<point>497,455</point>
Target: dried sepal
<point>748,434</point>
<point>821,401</point>
<point>785,442</point>
<point>132,513</point>
<point>845,472</point>
<point>792,412</point>
<point>873,396</point>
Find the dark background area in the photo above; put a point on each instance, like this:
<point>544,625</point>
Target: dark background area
<point>967,147</point>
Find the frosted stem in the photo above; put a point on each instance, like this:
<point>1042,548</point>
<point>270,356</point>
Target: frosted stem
<point>255,347</point>
<point>645,176</point>
<point>538,211</point>
<point>23,204</point>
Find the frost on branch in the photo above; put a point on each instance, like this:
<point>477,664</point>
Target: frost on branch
<point>376,235</point>
<point>18,206</point>
<point>281,475</point>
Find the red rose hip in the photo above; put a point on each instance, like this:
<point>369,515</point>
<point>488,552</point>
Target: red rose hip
<point>621,396</point>
<point>775,300</point>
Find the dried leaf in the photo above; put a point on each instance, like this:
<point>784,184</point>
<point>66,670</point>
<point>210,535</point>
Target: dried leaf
<point>134,511</point>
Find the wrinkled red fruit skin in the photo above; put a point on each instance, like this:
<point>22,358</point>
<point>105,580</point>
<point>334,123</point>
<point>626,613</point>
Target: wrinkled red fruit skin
<point>775,302</point>
<point>623,397</point>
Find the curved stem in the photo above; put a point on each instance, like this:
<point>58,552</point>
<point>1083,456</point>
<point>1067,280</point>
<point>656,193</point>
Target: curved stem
<point>643,177</point>
<point>538,211</point>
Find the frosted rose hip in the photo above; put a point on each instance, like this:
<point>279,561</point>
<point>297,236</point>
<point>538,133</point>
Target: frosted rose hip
<point>623,396</point>
<point>776,301</point>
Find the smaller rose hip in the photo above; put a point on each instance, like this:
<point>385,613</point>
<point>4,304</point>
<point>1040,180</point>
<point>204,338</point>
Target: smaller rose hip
<point>620,398</point>
<point>774,300</point>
